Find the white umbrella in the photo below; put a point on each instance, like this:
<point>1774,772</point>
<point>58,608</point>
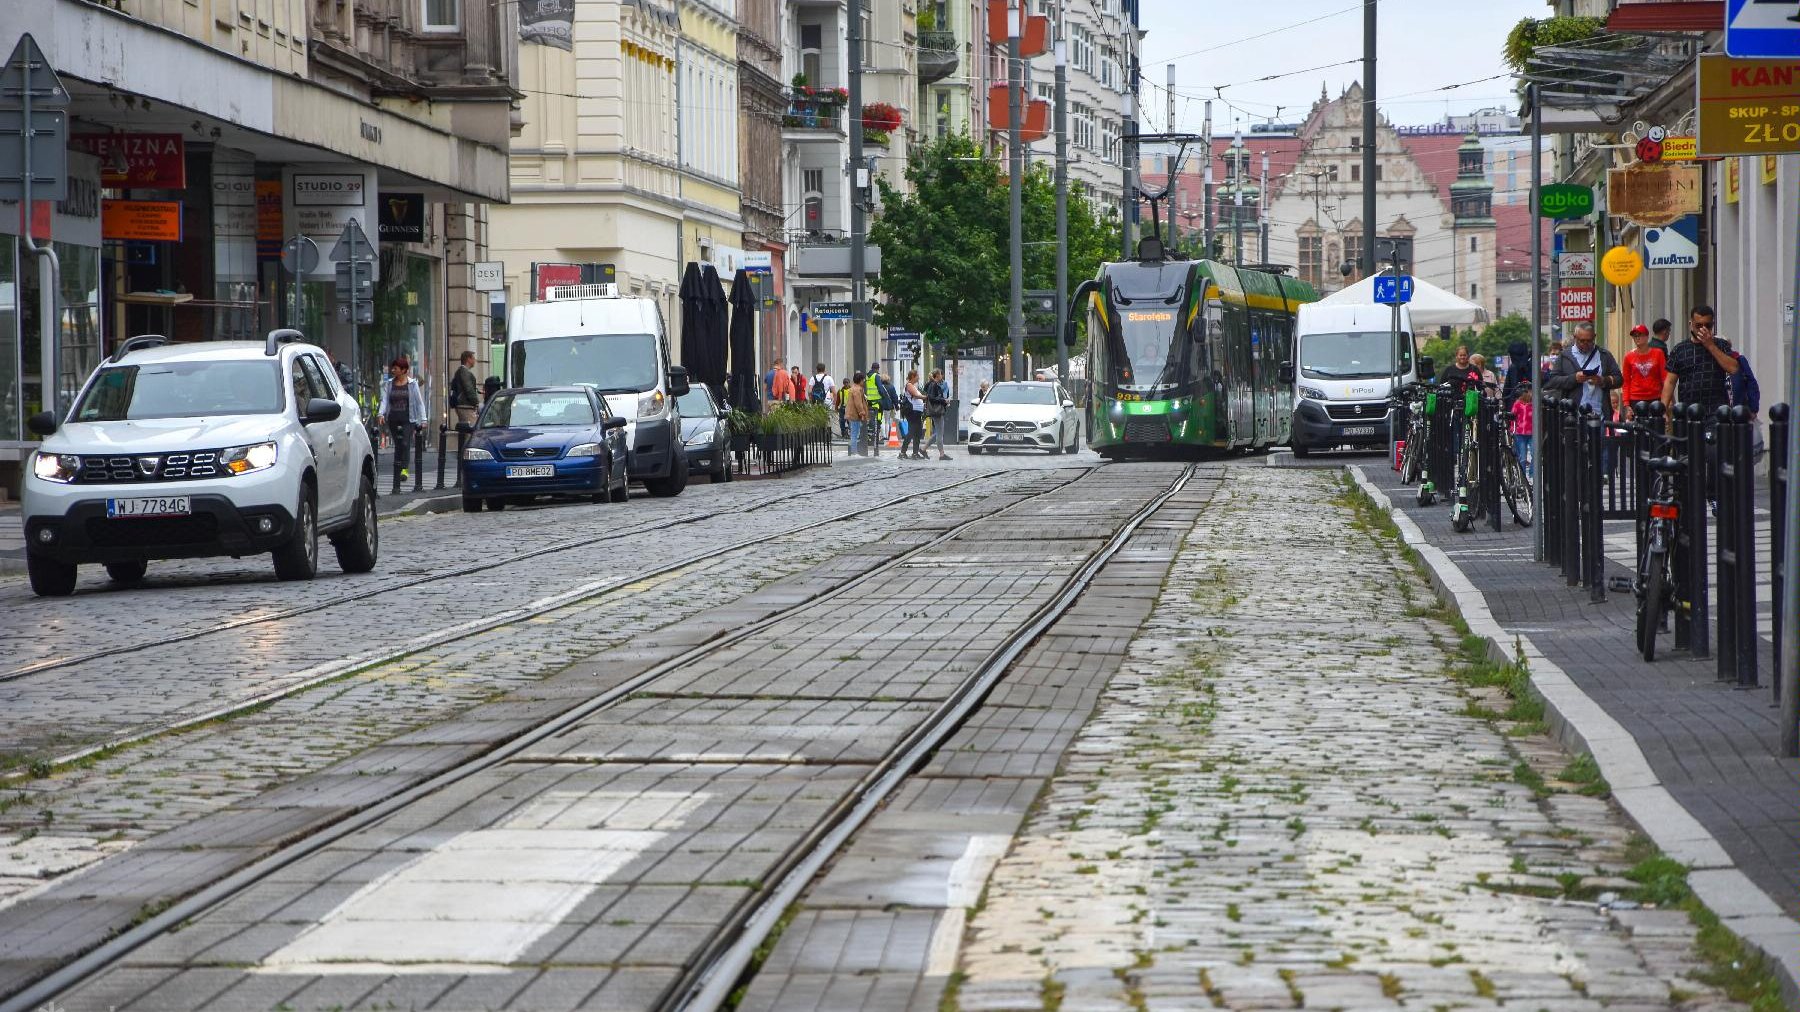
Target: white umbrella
<point>1431,306</point>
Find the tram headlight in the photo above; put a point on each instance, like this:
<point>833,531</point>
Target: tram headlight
<point>1179,412</point>
<point>1313,393</point>
<point>1116,413</point>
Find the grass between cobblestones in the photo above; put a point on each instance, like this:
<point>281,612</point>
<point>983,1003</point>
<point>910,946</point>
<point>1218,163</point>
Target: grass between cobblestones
<point>1731,966</point>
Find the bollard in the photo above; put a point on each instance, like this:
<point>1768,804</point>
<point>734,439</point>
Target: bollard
<point>1693,523</point>
<point>419,459</point>
<point>1779,434</point>
<point>1549,476</point>
<point>1648,424</point>
<point>1570,422</point>
<point>1493,431</point>
<point>463,429</point>
<point>1593,542</point>
<point>443,444</point>
<point>1736,549</point>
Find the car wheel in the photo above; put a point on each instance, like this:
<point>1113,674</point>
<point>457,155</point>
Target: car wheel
<point>50,578</point>
<point>471,504</point>
<point>358,545</point>
<point>721,470</point>
<point>299,558</point>
<point>1302,451</point>
<point>126,572</point>
<point>496,504</point>
<point>974,451</point>
<point>675,483</point>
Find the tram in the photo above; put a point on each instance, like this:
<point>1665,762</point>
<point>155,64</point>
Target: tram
<point>1188,354</point>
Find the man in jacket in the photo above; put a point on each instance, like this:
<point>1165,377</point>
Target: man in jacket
<point>856,412</point>
<point>872,393</point>
<point>1589,373</point>
<point>465,393</point>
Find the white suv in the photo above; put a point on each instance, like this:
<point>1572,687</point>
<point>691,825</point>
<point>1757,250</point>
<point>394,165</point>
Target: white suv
<point>186,450</point>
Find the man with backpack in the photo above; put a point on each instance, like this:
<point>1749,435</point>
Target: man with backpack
<point>872,393</point>
<point>822,388</point>
<point>465,394</point>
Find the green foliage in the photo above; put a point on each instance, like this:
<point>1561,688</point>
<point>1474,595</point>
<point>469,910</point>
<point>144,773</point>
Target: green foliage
<point>1529,34</point>
<point>739,422</point>
<point>795,418</point>
<point>1491,343</point>
<point>944,246</point>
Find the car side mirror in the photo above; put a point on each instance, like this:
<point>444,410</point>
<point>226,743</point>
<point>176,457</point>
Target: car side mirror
<point>42,424</point>
<point>1068,403</point>
<point>1286,373</point>
<point>678,381</point>
<point>322,409</point>
<point>614,422</point>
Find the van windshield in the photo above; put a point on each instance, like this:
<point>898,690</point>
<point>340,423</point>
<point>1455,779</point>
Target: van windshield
<point>611,363</point>
<point>1359,355</point>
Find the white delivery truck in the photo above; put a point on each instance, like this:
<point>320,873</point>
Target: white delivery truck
<point>590,334</point>
<point>1345,367</point>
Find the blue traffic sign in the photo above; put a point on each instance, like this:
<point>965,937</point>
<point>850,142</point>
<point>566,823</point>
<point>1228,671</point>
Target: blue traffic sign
<point>1762,28</point>
<point>1385,285</point>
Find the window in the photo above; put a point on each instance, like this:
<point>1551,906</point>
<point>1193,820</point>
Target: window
<point>1355,173</point>
<point>1331,172</point>
<point>1310,263</point>
<point>811,43</point>
<point>868,37</point>
<point>1353,251</point>
<point>1081,48</point>
<point>442,15</point>
<point>1474,293</point>
<point>1474,244</point>
<point>1356,144</point>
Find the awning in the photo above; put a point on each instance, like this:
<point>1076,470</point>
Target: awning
<point>1431,306</point>
<point>1657,16</point>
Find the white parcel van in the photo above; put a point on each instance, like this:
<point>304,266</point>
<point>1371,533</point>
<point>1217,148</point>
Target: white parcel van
<point>1344,368</point>
<point>618,345</point>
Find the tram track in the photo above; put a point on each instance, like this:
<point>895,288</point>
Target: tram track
<point>232,625</point>
<point>309,678</point>
<point>906,756</point>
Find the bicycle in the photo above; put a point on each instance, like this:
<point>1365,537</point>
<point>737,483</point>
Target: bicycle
<point>1466,507</point>
<point>1412,458</point>
<point>1658,589</point>
<point>1514,486</point>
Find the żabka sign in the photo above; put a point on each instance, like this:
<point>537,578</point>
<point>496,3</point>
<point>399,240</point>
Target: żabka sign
<point>1565,200</point>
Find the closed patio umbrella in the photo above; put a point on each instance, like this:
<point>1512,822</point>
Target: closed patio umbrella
<point>742,389</point>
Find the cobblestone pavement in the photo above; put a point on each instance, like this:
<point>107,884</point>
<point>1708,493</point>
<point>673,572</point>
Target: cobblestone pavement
<point>1284,801</point>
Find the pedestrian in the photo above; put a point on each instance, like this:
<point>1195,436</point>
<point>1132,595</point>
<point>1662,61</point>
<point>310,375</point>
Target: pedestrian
<point>1699,368</point>
<point>981,394</point>
<point>797,383</point>
<point>872,395</point>
<point>490,388</point>
<point>781,385</point>
<point>823,388</point>
<point>1659,336</point>
<point>1547,366</point>
<point>937,404</point>
<point>1461,371</point>
<point>856,412</point>
<point>465,396</point>
<point>775,369</point>
<point>402,412</point>
<point>1487,375</point>
<point>345,380</point>
<point>1521,428</point>
<point>913,406</point>
<point>1588,372</point>
<point>1518,370</point>
<point>1645,370</point>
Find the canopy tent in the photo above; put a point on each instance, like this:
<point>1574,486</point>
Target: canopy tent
<point>1431,306</point>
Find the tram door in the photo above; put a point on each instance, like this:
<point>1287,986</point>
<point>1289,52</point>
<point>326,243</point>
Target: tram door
<point>1243,378</point>
<point>1218,373</point>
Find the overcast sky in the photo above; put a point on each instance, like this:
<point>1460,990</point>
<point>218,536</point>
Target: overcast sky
<point>1424,45</point>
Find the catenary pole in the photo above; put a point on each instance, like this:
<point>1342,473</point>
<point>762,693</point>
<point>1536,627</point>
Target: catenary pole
<point>1062,189</point>
<point>1015,152</point>
<point>1369,117</point>
<point>1537,317</point>
<point>1206,184</point>
<point>1262,206</point>
<point>856,172</point>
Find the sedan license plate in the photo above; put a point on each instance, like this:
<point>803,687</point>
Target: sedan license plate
<point>1359,430</point>
<point>531,471</point>
<point>150,506</point>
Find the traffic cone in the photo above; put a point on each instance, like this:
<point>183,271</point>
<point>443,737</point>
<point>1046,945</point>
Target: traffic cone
<point>894,434</point>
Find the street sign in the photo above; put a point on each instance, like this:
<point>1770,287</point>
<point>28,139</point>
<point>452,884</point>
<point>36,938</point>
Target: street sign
<point>1390,289</point>
<point>900,334</point>
<point>353,244</point>
<point>831,310</point>
<point>1653,194</point>
<point>1762,28</point>
<point>32,121</point>
<point>490,276</point>
<point>1575,305</point>
<point>299,255</point>
<point>1565,200</point>
<point>1674,247</point>
<point>1749,107</point>
<point>1576,265</point>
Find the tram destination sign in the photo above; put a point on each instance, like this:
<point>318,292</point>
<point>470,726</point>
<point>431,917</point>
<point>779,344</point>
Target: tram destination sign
<point>1749,107</point>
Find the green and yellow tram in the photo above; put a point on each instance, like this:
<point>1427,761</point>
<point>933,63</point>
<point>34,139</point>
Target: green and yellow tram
<point>1189,353</point>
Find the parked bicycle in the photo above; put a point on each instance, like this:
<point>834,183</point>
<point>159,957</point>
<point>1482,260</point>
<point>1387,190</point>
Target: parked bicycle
<point>1658,587</point>
<point>1465,507</point>
<point>1515,488</point>
<point>1417,402</point>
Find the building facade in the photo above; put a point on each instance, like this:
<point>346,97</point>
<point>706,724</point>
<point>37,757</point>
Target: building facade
<point>203,134</point>
<point>1102,41</point>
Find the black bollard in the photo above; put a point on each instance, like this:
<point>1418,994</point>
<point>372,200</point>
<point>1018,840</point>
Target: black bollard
<point>1549,476</point>
<point>1694,509</point>
<point>1593,542</point>
<point>1736,549</point>
<point>1779,434</point>
<point>1570,421</point>
<point>443,444</point>
<point>419,459</point>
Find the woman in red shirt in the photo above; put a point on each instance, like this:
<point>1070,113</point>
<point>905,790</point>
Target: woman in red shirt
<point>1645,368</point>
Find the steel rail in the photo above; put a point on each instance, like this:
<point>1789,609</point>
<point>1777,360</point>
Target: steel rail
<point>49,987</point>
<point>708,984</point>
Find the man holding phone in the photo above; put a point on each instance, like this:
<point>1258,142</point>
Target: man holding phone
<point>1699,367</point>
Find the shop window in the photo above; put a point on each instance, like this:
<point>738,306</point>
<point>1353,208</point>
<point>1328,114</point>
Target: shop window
<point>442,15</point>
<point>11,410</point>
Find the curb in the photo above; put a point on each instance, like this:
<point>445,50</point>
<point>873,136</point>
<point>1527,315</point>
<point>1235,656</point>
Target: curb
<point>1582,725</point>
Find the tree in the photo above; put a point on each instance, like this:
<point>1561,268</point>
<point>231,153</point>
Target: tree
<point>1491,343</point>
<point>945,267</point>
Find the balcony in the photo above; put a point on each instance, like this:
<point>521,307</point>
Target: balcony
<point>814,114</point>
<point>938,57</point>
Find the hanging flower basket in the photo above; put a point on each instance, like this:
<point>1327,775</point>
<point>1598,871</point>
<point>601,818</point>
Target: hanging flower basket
<point>880,117</point>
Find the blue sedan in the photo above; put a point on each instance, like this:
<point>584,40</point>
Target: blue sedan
<point>544,441</point>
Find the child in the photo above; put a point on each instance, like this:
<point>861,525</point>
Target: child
<point>1521,427</point>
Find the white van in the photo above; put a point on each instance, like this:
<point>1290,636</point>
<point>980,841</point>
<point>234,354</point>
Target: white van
<point>1344,371</point>
<point>589,334</point>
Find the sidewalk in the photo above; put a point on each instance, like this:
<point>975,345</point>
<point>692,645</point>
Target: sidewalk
<point>1711,747</point>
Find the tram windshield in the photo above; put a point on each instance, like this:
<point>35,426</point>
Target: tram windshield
<point>1147,348</point>
<point>1360,355</point>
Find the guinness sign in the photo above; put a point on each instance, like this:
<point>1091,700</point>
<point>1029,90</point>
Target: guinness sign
<point>402,217</point>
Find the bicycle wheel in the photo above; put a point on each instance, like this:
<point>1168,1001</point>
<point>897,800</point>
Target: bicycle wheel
<point>1517,489</point>
<point>1411,460</point>
<point>1650,600</point>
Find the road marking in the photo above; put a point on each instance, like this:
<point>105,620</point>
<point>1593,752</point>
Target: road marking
<point>476,902</point>
<point>966,878</point>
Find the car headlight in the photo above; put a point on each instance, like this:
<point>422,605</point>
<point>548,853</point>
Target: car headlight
<point>701,438</point>
<point>584,450</point>
<point>1313,394</point>
<point>651,404</point>
<point>58,467</point>
<point>244,459</point>
<point>476,453</point>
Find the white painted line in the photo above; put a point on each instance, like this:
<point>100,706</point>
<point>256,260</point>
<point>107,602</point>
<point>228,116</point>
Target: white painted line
<point>477,901</point>
<point>1739,902</point>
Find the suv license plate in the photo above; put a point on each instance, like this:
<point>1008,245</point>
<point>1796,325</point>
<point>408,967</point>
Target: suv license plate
<point>1359,430</point>
<point>531,471</point>
<point>157,506</point>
